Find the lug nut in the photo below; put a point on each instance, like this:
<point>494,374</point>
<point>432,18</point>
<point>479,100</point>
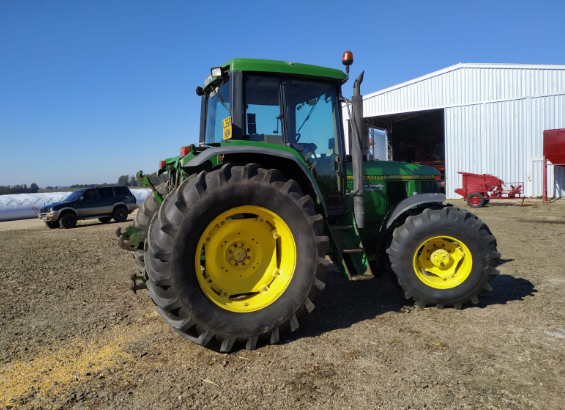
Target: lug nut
<point>249,257</point>
<point>229,251</point>
<point>248,250</point>
<point>242,245</point>
<point>243,263</point>
<point>236,264</point>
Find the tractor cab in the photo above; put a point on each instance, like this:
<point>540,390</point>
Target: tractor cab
<point>280,103</point>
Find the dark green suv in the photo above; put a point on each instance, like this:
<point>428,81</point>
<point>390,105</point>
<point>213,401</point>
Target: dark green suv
<point>102,203</point>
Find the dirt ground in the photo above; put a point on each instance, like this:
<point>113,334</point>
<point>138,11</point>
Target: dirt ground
<point>73,335</point>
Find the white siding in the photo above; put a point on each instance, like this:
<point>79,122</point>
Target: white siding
<point>504,139</point>
<point>495,115</point>
<point>465,84</point>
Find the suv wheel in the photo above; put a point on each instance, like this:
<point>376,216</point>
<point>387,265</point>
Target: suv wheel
<point>120,214</point>
<point>68,220</point>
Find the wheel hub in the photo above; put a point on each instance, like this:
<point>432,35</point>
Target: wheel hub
<point>441,259</point>
<point>246,259</point>
<point>238,255</point>
<point>442,262</point>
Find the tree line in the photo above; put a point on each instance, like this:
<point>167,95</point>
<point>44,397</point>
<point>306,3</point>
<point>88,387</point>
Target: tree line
<point>19,189</point>
<point>131,180</point>
<point>127,180</point>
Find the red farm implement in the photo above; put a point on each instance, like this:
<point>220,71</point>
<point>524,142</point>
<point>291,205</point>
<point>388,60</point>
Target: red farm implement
<point>554,152</point>
<point>478,190</point>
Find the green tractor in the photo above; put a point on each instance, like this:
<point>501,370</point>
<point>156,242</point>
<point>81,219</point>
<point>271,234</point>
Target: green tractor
<point>233,247</point>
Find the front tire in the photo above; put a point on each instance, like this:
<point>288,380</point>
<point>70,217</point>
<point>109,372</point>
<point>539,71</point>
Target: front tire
<point>444,257</point>
<point>120,214</point>
<point>202,289</point>
<point>68,220</point>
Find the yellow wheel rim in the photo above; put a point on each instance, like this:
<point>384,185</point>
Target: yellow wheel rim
<point>245,259</point>
<point>443,262</point>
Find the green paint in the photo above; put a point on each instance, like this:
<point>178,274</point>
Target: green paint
<point>352,264</point>
<point>144,181</point>
<point>281,67</point>
<point>132,237</point>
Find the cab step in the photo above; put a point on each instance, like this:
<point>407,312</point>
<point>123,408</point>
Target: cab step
<point>339,227</point>
<point>362,277</point>
<point>356,250</point>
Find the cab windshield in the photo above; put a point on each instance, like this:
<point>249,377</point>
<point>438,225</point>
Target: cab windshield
<point>74,196</point>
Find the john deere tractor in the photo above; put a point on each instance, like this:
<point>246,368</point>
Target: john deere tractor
<point>233,247</point>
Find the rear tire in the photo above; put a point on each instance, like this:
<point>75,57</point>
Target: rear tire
<point>146,211</point>
<point>466,243</point>
<point>105,219</point>
<point>68,220</point>
<point>52,224</point>
<point>475,200</point>
<point>176,246</point>
<point>120,214</point>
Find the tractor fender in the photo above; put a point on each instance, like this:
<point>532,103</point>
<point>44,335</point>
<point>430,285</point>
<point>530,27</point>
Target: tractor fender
<point>294,167</point>
<point>408,203</point>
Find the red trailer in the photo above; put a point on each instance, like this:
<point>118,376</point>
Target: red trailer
<point>478,190</point>
<point>554,152</point>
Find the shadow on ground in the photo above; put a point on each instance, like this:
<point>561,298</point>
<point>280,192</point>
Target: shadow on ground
<point>541,221</point>
<point>79,226</point>
<point>506,288</point>
<point>345,303</point>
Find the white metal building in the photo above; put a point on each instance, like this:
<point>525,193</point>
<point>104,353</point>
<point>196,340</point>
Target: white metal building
<point>490,118</point>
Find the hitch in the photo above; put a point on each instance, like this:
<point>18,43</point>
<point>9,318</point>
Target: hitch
<point>130,239</point>
<point>144,180</point>
<point>135,287</point>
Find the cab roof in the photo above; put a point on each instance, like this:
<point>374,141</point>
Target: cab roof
<point>283,67</point>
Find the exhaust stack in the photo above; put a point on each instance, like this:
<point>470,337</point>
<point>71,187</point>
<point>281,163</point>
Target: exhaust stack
<point>357,152</point>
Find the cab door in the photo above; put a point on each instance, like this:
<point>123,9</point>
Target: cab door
<point>87,203</point>
<point>314,130</point>
<point>107,200</point>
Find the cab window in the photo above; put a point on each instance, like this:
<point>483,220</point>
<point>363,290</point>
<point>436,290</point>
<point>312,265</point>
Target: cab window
<point>263,117</point>
<point>106,193</point>
<point>218,109</point>
<point>90,195</point>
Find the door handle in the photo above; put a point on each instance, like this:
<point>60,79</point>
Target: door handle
<point>337,166</point>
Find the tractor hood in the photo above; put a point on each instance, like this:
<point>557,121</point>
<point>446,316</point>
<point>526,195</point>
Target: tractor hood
<point>382,170</point>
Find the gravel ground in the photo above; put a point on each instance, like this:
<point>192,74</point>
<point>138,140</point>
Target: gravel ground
<point>74,336</point>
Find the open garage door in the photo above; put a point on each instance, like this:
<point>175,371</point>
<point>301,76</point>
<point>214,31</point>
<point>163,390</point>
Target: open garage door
<point>415,137</point>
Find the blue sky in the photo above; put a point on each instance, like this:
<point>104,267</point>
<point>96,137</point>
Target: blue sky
<point>90,90</point>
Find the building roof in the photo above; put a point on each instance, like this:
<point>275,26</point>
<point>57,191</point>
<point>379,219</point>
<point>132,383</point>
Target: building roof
<point>469,65</point>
